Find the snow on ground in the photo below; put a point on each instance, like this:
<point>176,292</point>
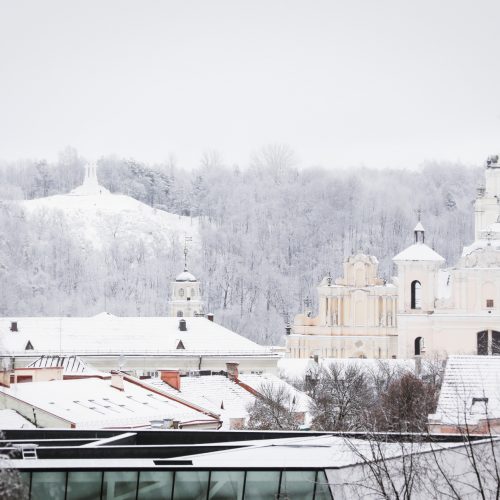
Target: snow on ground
<point>103,218</point>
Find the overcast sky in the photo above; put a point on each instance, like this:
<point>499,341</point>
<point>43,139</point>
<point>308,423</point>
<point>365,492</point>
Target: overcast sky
<point>344,83</point>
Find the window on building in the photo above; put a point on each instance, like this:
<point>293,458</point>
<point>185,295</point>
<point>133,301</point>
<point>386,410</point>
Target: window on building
<point>495,342</point>
<point>181,292</point>
<point>416,293</point>
<point>419,342</point>
<point>180,314</point>
<point>482,343</point>
<point>489,303</point>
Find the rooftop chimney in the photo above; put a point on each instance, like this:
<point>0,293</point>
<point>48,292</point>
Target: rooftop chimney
<point>13,326</point>
<point>182,325</point>
<point>172,378</point>
<point>288,330</point>
<point>232,371</point>
<point>210,316</point>
<point>5,378</point>
<point>117,381</point>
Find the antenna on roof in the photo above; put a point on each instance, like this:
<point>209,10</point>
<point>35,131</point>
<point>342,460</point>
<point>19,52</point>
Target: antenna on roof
<point>186,239</point>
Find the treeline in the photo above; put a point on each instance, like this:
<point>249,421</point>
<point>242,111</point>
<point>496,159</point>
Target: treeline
<point>269,230</point>
<point>347,397</point>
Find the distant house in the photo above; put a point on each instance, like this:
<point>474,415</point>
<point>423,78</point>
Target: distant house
<point>470,396</point>
<point>138,344</point>
<point>49,400</point>
<point>227,393</point>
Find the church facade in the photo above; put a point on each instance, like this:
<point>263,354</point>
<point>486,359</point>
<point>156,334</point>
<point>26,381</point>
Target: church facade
<point>427,310</point>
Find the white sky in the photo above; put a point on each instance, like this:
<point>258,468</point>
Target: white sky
<point>373,82</point>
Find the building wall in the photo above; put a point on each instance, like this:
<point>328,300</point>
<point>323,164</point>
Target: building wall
<point>35,415</point>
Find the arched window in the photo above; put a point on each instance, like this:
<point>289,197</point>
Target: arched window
<point>416,293</point>
<point>181,292</point>
<point>482,343</point>
<point>419,343</point>
<point>180,314</point>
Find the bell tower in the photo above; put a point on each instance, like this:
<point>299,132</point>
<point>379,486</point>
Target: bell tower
<point>487,205</point>
<point>185,293</point>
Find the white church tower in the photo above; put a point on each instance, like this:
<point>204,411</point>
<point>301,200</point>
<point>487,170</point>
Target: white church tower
<point>185,295</point>
<point>487,205</point>
<point>418,267</point>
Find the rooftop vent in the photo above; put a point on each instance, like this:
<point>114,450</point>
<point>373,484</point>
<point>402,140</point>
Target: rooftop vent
<point>29,346</point>
<point>13,326</point>
<point>182,325</point>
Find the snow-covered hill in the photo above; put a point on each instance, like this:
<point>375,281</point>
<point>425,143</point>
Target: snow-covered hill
<point>103,218</point>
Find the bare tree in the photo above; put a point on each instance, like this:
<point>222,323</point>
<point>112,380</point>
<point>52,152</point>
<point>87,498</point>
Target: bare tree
<point>341,398</point>
<point>274,408</point>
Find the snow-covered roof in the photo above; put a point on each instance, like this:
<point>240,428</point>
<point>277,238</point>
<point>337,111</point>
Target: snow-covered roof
<point>215,392</point>
<point>10,419</point>
<point>106,333</point>
<point>185,276</point>
<point>225,397</point>
<point>94,403</point>
<point>482,244</point>
<point>419,227</point>
<point>316,452</point>
<point>258,381</point>
<point>467,381</point>
<point>418,252</point>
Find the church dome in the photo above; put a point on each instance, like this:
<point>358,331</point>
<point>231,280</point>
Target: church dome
<point>185,276</point>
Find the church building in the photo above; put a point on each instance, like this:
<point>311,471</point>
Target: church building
<point>427,310</point>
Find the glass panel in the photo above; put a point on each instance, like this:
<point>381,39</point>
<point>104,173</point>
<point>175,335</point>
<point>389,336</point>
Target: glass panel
<point>261,484</point>
<point>191,485</point>
<point>298,484</point>
<point>495,342</point>
<point>322,487</point>
<point>84,485</point>
<point>48,485</point>
<point>226,485</point>
<point>482,343</point>
<point>121,485</point>
<point>25,481</point>
<point>155,485</point>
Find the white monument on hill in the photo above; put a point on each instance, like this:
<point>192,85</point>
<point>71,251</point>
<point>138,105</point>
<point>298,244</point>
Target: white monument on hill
<point>90,186</point>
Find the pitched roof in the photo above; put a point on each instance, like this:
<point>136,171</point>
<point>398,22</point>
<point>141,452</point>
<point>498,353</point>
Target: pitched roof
<point>467,381</point>
<point>106,333</point>
<point>73,365</point>
<point>94,403</point>
<point>418,252</point>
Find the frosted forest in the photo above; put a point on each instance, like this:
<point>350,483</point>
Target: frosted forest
<point>267,233</point>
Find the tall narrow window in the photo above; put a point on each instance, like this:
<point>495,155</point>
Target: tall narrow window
<point>489,303</point>
<point>495,342</point>
<point>416,292</point>
<point>482,343</point>
<point>418,346</point>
